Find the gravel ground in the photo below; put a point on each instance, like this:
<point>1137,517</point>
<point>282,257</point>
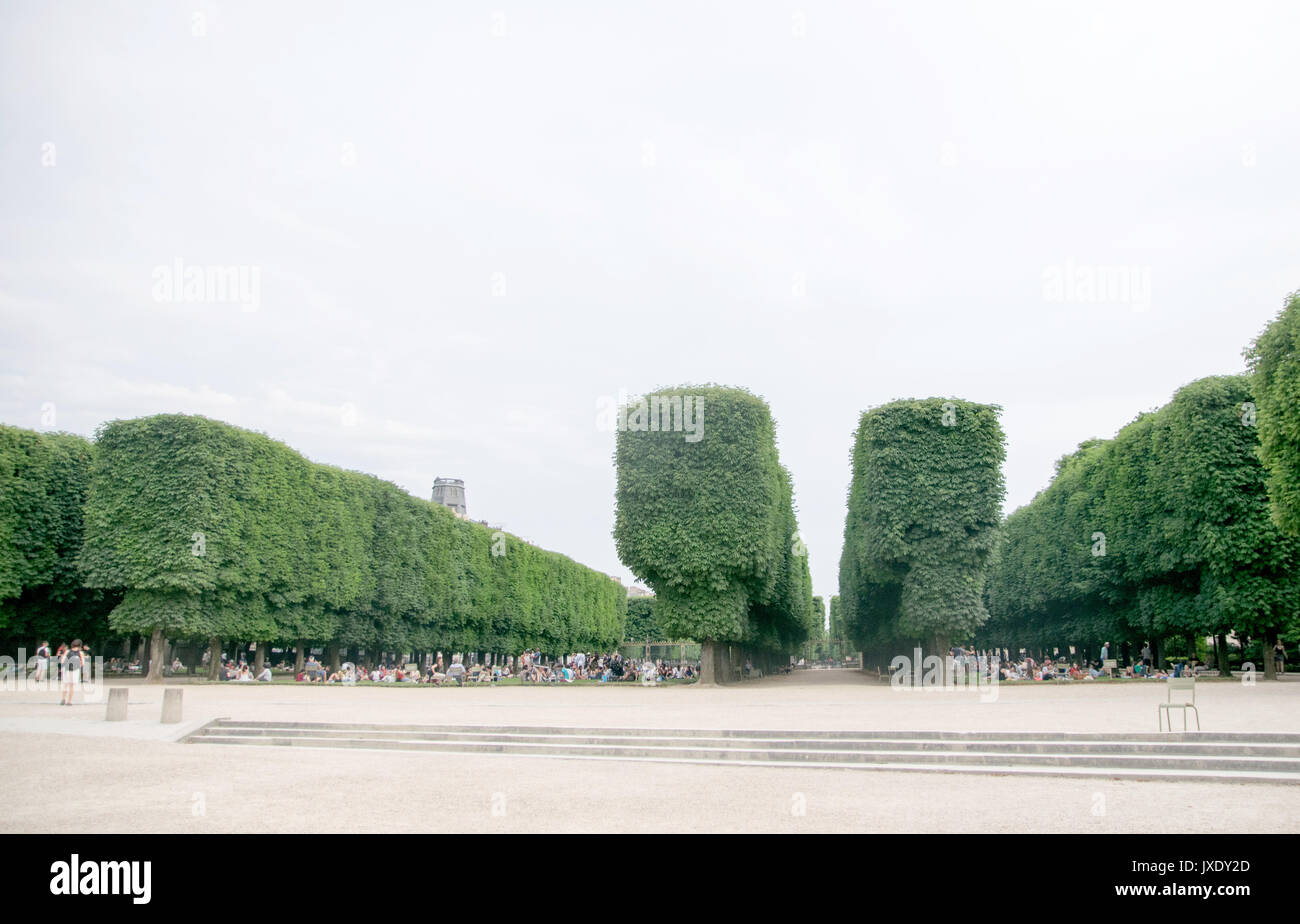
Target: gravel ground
<point>66,769</point>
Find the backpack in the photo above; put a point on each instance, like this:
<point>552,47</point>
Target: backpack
<point>73,662</point>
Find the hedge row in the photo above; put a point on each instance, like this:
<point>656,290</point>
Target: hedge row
<point>214,531</point>
<point>709,522</point>
<point>1162,531</point>
<point>43,479</point>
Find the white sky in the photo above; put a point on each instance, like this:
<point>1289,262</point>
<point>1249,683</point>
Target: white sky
<point>655,189</point>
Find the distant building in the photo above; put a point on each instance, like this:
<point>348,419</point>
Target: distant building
<point>636,590</point>
<point>450,492</point>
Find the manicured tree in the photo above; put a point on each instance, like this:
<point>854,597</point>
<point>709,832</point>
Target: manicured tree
<point>702,518</point>
<point>782,617</point>
<point>164,519</point>
<point>1274,362</point>
<point>923,515</point>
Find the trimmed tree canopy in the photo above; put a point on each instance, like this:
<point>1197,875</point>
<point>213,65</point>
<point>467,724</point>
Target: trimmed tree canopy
<point>217,531</point>
<point>924,507</point>
<point>706,518</point>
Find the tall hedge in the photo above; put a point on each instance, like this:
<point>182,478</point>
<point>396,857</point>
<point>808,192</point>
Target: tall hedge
<point>1162,531</point>
<point>214,531</point>
<point>924,509</point>
<point>43,479</point>
<point>709,522</point>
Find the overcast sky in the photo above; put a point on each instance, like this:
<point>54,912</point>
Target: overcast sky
<point>472,221</point>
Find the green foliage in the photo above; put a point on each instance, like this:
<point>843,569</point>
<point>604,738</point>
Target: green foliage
<point>217,531</point>
<point>1044,563</point>
<point>1177,503</point>
<point>641,623</point>
<point>710,523</point>
<point>1274,362</point>
<point>836,620</point>
<point>43,478</point>
<point>924,508</point>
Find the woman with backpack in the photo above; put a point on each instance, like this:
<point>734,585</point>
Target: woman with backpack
<point>71,662</point>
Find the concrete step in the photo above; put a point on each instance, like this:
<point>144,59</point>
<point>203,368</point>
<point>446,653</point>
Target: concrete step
<point>1038,736</point>
<point>1271,758</point>
<point>759,740</point>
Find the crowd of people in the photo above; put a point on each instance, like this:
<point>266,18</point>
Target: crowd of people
<point>1001,664</point>
<point>529,667</point>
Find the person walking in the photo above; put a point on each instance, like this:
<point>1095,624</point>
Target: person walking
<point>42,662</point>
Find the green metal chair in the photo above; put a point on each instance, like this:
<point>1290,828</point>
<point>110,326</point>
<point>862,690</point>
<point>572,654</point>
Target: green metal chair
<point>1162,710</point>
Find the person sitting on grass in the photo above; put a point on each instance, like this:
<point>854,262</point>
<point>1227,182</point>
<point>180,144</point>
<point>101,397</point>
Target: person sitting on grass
<point>457,671</point>
<point>265,676</point>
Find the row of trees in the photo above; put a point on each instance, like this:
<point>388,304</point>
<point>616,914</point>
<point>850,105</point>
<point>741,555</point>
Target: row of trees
<point>208,531</point>
<point>1185,525</point>
<point>1163,531</point>
<point>707,519</point>
<point>924,509</point>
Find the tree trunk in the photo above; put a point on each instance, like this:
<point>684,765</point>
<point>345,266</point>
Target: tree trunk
<point>1270,666</point>
<point>941,648</point>
<point>332,652</point>
<point>299,657</point>
<point>259,659</point>
<point>1221,654</point>
<point>156,645</point>
<point>708,663</point>
<point>214,658</point>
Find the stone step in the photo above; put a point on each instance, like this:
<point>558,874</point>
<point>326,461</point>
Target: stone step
<point>1018,746</point>
<point>1176,757</point>
<point>838,735</point>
